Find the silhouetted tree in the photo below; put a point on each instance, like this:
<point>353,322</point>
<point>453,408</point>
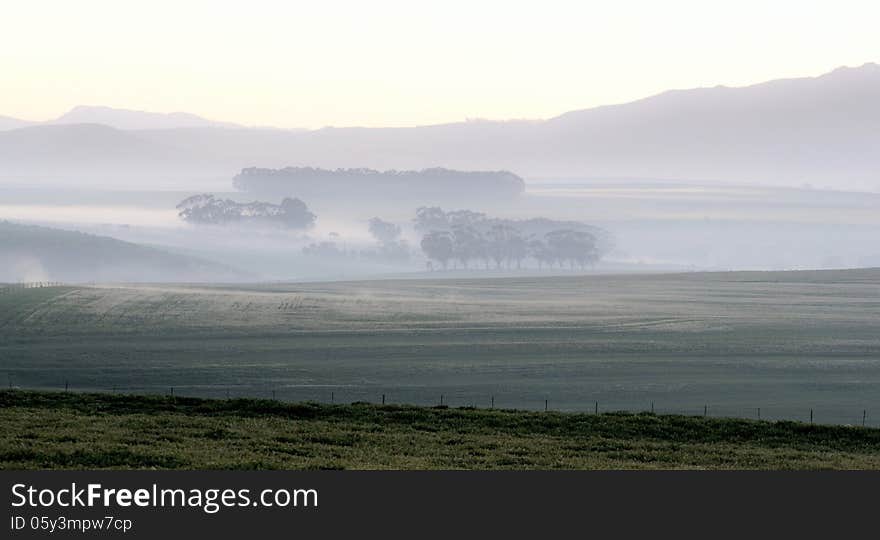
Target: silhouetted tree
<point>517,249</point>
<point>538,250</point>
<point>500,238</point>
<point>384,231</point>
<point>439,246</point>
<point>294,214</point>
<point>431,219</point>
<point>573,247</point>
<point>391,247</point>
<point>466,243</point>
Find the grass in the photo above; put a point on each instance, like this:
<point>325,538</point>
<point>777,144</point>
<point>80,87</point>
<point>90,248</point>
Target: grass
<point>55,430</point>
<point>784,342</point>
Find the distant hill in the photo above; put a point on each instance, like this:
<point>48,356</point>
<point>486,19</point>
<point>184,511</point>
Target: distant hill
<point>7,122</point>
<point>81,149</point>
<point>129,119</point>
<point>821,130</point>
<point>125,119</point>
<point>31,253</point>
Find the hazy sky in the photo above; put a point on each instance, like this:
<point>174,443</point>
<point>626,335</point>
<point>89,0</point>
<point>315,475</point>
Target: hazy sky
<point>317,63</point>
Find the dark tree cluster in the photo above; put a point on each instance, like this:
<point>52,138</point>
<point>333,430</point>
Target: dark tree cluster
<point>463,237</point>
<point>427,184</point>
<point>205,209</point>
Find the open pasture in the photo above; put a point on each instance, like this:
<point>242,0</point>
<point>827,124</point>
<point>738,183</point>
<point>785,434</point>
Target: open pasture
<point>726,344</point>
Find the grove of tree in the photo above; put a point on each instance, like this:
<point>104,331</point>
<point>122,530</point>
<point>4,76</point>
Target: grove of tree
<point>464,237</point>
<point>205,209</point>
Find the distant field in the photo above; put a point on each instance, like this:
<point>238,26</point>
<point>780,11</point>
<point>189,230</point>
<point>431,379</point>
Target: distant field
<point>726,344</point>
<point>89,431</point>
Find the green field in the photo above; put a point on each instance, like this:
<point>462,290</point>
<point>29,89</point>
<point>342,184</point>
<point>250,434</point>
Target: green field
<point>70,431</point>
<point>724,343</point>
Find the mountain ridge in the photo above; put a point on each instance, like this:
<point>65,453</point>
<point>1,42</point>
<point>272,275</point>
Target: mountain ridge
<point>130,119</point>
<point>80,114</point>
<point>820,130</point>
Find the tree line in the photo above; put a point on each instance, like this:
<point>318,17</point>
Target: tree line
<point>424,185</point>
<point>471,239</point>
<point>464,237</point>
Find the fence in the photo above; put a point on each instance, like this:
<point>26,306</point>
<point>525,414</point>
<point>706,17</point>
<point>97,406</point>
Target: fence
<point>829,415</point>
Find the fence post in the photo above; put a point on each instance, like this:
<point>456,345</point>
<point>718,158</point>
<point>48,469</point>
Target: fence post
<point>597,407</point>
<point>864,415</point>
<point>66,386</point>
<point>493,403</point>
<point>652,407</point>
<point>545,405</point>
<point>441,400</point>
<point>172,391</point>
<point>811,416</point>
<point>383,399</point>
<point>332,398</point>
<point>759,413</point>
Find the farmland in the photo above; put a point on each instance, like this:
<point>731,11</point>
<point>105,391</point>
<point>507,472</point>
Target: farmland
<point>774,344</point>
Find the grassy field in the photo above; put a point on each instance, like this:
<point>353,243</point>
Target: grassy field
<point>733,343</point>
<point>68,430</point>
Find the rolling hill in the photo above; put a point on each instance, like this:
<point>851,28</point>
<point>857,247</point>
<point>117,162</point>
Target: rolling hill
<point>31,253</point>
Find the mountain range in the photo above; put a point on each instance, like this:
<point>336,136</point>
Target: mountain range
<point>123,119</point>
<point>823,131</point>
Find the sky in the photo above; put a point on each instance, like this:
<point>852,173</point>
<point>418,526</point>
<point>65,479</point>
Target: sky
<point>399,63</point>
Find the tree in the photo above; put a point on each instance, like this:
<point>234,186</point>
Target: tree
<point>538,250</point>
<point>439,246</point>
<point>500,240</point>
<point>384,232</point>
<point>431,218</point>
<point>464,218</point>
<point>476,236</point>
<point>517,249</point>
<point>573,247</point>
<point>295,214</point>
<point>466,243</point>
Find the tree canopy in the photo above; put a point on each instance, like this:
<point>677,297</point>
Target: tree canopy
<point>424,185</point>
<point>205,209</point>
<point>464,236</point>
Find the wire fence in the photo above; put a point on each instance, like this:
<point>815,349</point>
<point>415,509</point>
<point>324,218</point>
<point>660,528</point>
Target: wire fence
<point>341,395</point>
